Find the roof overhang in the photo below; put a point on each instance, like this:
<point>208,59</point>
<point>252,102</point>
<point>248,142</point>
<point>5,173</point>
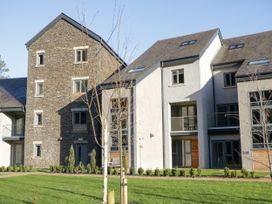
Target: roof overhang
<point>179,61</point>
<point>224,130</point>
<point>12,139</point>
<point>12,109</point>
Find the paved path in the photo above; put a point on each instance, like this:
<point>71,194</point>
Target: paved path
<point>12,174</point>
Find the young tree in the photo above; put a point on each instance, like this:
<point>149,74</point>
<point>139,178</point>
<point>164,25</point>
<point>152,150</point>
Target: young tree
<point>3,69</point>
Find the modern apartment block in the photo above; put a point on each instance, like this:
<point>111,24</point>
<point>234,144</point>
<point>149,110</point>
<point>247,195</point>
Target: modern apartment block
<point>62,58</point>
<point>12,121</point>
<point>182,100</point>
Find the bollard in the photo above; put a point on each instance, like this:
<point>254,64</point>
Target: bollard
<point>110,199</point>
<point>125,191</point>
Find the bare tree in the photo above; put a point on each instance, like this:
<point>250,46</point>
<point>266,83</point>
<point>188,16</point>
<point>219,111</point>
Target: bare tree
<point>99,117</point>
<point>3,69</point>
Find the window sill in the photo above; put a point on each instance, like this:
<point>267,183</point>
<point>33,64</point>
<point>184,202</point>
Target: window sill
<point>229,87</point>
<point>176,85</point>
<point>38,126</point>
<point>76,63</point>
<point>38,96</point>
<point>39,66</point>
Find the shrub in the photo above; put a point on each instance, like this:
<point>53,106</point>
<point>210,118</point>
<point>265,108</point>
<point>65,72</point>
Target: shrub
<point>8,169</point>
<point>81,167</point>
<point>76,169</point>
<point>15,168</point>
<point>233,174</point>
<point>175,172</point>
<point>71,159</point>
<point>192,172</point>
<point>110,170</point>
<point>226,172</point>
<point>157,172</point>
<point>96,170</point>
<point>93,159</point>
<point>29,168</point>
<point>198,172</point>
<point>89,169</point>
<point>132,171</point>
<point>167,172</point>
<point>51,169</point>
<point>149,172</point>
<point>244,173</point>
<point>252,174</point>
<point>182,172</point>
<point>141,171</point>
<point>2,169</point>
<point>115,171</point>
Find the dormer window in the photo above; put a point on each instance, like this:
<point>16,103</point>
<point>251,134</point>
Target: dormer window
<point>236,46</point>
<point>40,58</point>
<point>262,61</point>
<point>189,42</point>
<point>81,54</point>
<point>135,70</point>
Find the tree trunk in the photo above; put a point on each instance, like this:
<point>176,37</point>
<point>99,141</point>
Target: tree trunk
<point>105,170</point>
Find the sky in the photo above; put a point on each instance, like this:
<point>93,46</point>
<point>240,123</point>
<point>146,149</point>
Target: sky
<point>143,22</point>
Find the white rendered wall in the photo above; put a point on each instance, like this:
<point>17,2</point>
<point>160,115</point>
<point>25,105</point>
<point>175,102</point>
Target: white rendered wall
<point>149,135</point>
<point>205,104</point>
<point>197,87</point>
<point>4,147</point>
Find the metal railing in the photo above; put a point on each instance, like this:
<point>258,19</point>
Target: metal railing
<point>184,123</point>
<point>12,130</point>
<point>225,119</point>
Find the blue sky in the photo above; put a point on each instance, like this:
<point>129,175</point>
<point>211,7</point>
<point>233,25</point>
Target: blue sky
<point>143,23</point>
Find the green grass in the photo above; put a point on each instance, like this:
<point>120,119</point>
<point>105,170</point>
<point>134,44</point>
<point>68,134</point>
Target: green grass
<point>88,189</point>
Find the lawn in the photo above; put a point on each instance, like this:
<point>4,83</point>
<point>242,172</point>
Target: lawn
<point>87,189</point>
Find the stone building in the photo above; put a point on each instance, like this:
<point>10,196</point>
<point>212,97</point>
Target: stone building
<point>62,60</point>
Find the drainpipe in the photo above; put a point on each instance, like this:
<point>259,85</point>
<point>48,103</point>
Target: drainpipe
<point>163,128</point>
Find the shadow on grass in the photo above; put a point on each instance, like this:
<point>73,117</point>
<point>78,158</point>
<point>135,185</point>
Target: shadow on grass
<point>74,193</point>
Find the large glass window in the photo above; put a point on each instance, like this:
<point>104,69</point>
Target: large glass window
<point>261,118</point>
<point>183,117</point>
<point>227,115</point>
<point>119,121</point>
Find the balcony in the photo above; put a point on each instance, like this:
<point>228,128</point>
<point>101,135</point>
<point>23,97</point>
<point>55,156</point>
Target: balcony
<point>226,119</point>
<point>13,133</point>
<point>187,123</point>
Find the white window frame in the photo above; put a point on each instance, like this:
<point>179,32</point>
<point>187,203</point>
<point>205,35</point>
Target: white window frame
<point>36,112</point>
<point>177,71</point>
<point>79,79</point>
<point>231,81</point>
<point>35,144</point>
<point>38,53</point>
<point>80,48</point>
<point>36,88</point>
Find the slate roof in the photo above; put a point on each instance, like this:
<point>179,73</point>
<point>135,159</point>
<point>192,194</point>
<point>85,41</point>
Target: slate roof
<point>168,50</point>
<point>256,46</point>
<point>79,26</point>
<point>13,93</point>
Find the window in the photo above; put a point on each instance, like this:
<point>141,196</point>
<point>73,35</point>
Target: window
<point>183,117</point>
<point>229,79</point>
<point>189,42</point>
<point>261,118</point>
<point>37,149</point>
<point>236,46</point>
<point>81,54</point>
<point>79,117</point>
<point>40,58</point>
<point>227,115</point>
<point>38,119</point>
<point>80,85</point>
<point>39,88</point>
<point>262,61</point>
<point>119,120</point>
<point>178,76</point>
<point>135,70</point>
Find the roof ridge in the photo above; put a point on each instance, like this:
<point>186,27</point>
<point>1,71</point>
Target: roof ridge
<point>172,38</point>
<point>248,35</point>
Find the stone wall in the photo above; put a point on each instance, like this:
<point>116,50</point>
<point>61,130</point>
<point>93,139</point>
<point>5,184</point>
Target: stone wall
<point>56,133</point>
